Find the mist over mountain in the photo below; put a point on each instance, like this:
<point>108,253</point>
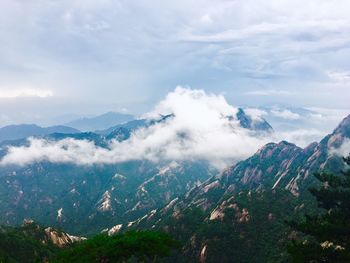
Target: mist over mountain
<point>21,131</point>
<point>128,170</point>
<point>195,167</point>
<point>251,200</point>
<point>100,122</point>
<point>175,131</point>
<point>186,125</point>
<point>190,199</point>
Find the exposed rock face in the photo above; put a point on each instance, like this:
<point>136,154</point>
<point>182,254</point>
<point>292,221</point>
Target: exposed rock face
<point>114,230</point>
<point>257,192</point>
<point>202,254</point>
<point>31,242</point>
<point>105,202</point>
<point>343,128</point>
<point>100,196</point>
<point>61,239</point>
<point>285,165</point>
<point>48,235</point>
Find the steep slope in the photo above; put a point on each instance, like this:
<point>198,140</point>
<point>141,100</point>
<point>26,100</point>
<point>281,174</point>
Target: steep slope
<point>244,208</point>
<point>282,165</point>
<point>101,195</point>
<point>15,132</point>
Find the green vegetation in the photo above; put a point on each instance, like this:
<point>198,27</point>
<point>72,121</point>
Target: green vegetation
<point>326,236</point>
<point>25,244</point>
<point>30,243</point>
<point>138,246</point>
<point>260,235</point>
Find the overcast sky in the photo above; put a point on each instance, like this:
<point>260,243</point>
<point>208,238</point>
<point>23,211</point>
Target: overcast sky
<point>86,57</point>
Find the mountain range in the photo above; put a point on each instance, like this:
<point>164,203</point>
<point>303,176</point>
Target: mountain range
<point>246,205</point>
<point>103,124</point>
<point>214,214</point>
<point>100,122</point>
<point>21,131</point>
<point>64,194</point>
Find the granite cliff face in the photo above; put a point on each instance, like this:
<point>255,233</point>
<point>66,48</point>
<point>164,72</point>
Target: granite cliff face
<point>59,238</point>
<point>280,165</point>
<point>256,194</point>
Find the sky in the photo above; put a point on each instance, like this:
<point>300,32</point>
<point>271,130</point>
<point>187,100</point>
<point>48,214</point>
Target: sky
<point>82,57</point>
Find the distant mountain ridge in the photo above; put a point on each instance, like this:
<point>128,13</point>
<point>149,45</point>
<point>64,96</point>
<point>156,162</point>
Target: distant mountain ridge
<point>124,130</point>
<point>100,122</point>
<point>15,132</point>
<point>192,201</point>
<point>106,194</point>
<point>112,125</point>
<point>257,124</point>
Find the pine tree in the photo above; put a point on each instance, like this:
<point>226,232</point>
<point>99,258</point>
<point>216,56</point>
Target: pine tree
<point>326,236</point>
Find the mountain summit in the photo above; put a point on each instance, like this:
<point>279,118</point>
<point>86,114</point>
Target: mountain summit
<point>344,127</point>
<point>254,124</point>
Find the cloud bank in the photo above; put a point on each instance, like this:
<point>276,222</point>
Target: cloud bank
<point>204,126</point>
<point>199,129</point>
<point>24,92</point>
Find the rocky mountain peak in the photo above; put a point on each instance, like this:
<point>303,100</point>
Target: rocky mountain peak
<point>255,124</point>
<point>336,139</point>
<point>344,127</point>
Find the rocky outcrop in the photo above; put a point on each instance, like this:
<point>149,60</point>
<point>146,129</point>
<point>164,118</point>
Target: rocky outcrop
<point>276,165</point>
<point>61,239</point>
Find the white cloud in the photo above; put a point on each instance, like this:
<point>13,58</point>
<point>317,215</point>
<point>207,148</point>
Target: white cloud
<point>285,114</point>
<point>300,137</point>
<point>327,117</point>
<point>269,92</point>
<point>339,76</point>
<point>206,19</point>
<point>25,92</point>
<point>343,150</point>
<point>256,113</point>
<point>199,130</point>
